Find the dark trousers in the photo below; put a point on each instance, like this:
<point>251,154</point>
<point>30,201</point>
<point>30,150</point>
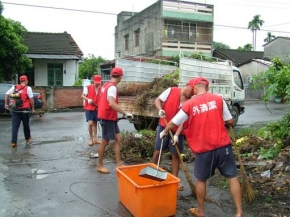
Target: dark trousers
<point>17,117</point>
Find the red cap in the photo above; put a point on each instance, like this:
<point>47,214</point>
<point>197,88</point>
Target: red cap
<point>23,78</point>
<point>97,79</point>
<point>117,71</point>
<point>199,80</point>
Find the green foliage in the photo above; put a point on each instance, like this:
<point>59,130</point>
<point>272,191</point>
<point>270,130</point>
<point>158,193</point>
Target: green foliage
<point>89,66</point>
<point>220,45</point>
<point>79,82</point>
<point>271,152</point>
<point>277,130</point>
<point>201,56</point>
<point>12,49</point>
<point>269,37</point>
<point>176,59</point>
<point>276,80</point>
<point>247,47</point>
<point>161,62</point>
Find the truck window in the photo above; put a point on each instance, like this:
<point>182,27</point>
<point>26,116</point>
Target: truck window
<point>238,79</point>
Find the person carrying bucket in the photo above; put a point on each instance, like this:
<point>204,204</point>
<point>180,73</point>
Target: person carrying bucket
<point>108,113</point>
<point>168,104</point>
<point>206,115</point>
<point>91,96</point>
<point>21,110</point>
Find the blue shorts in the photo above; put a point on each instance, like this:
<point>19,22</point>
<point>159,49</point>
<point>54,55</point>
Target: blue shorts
<point>167,144</point>
<point>221,158</point>
<point>109,129</point>
<point>92,116</point>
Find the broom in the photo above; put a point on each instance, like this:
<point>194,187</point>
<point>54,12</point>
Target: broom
<point>246,186</point>
<point>185,170</point>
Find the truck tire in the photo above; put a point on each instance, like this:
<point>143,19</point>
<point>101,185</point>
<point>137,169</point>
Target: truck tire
<point>235,113</point>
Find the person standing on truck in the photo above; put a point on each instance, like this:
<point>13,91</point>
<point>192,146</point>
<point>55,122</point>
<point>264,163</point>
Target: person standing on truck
<point>168,104</point>
<point>108,113</point>
<point>91,96</point>
<point>22,112</point>
<point>207,137</point>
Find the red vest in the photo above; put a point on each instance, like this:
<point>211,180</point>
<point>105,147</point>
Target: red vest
<point>105,112</point>
<point>171,106</point>
<point>23,96</point>
<point>206,129</point>
<point>92,95</point>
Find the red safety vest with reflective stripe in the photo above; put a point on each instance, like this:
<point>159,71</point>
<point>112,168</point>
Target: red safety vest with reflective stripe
<point>94,96</point>
<point>105,112</point>
<point>171,106</point>
<point>23,95</point>
<point>206,128</point>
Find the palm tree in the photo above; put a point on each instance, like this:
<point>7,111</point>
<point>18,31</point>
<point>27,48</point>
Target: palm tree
<point>255,25</point>
<point>270,37</point>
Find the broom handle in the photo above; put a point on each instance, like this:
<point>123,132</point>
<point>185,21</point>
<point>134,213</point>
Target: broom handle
<point>236,147</point>
<point>183,167</point>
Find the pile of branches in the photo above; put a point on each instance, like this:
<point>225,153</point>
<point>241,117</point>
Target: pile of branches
<point>138,148</point>
<point>157,86</point>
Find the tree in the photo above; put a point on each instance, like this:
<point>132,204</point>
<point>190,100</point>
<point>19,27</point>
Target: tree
<point>255,25</point>
<point>12,49</point>
<point>89,66</point>
<point>269,37</point>
<point>247,47</point>
<point>217,45</point>
<point>276,80</point>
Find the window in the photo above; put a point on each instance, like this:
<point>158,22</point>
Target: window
<point>179,30</point>
<point>137,37</point>
<point>127,42</point>
<point>238,79</point>
<point>54,74</point>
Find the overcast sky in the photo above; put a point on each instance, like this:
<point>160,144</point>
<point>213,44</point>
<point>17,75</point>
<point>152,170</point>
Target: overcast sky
<point>94,32</point>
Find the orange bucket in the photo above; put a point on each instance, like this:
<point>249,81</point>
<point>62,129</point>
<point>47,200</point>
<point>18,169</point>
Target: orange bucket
<point>147,197</point>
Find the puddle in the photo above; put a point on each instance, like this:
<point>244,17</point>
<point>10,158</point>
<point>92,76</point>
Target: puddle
<point>38,174</point>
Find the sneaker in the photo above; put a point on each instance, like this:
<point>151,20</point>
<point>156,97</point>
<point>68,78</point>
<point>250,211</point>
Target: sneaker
<point>28,140</point>
<point>14,144</point>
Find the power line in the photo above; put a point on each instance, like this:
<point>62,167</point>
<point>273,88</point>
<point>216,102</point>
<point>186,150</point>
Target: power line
<point>57,8</point>
<point>109,13</point>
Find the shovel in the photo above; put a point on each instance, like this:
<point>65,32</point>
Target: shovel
<point>154,173</point>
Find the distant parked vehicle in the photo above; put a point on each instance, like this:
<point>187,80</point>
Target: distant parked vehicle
<point>4,87</point>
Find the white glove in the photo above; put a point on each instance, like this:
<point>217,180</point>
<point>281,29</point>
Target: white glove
<point>163,134</point>
<point>128,116</point>
<point>161,113</point>
<point>175,140</point>
<point>90,101</point>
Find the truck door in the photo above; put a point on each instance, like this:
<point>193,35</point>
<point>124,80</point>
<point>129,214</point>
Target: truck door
<point>239,90</point>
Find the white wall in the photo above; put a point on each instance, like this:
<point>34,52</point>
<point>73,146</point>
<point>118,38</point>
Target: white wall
<point>40,71</point>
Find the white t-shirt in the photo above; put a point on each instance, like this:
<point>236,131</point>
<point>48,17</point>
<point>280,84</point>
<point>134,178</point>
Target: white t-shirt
<point>181,116</point>
<point>112,91</point>
<point>29,91</point>
<point>86,91</point>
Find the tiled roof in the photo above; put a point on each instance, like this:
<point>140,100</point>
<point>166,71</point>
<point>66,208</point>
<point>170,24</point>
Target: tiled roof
<point>238,57</point>
<point>51,43</point>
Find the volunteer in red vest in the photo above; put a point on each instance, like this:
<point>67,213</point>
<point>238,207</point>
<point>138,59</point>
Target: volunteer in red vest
<point>208,138</point>
<point>22,112</point>
<point>168,104</point>
<point>108,113</point>
<point>91,96</point>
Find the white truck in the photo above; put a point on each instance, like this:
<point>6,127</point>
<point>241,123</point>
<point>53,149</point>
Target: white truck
<point>225,79</point>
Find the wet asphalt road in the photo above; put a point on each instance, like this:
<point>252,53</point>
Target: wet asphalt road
<point>55,175</point>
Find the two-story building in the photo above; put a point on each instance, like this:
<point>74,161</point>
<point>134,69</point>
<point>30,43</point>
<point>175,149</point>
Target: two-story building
<point>165,28</point>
